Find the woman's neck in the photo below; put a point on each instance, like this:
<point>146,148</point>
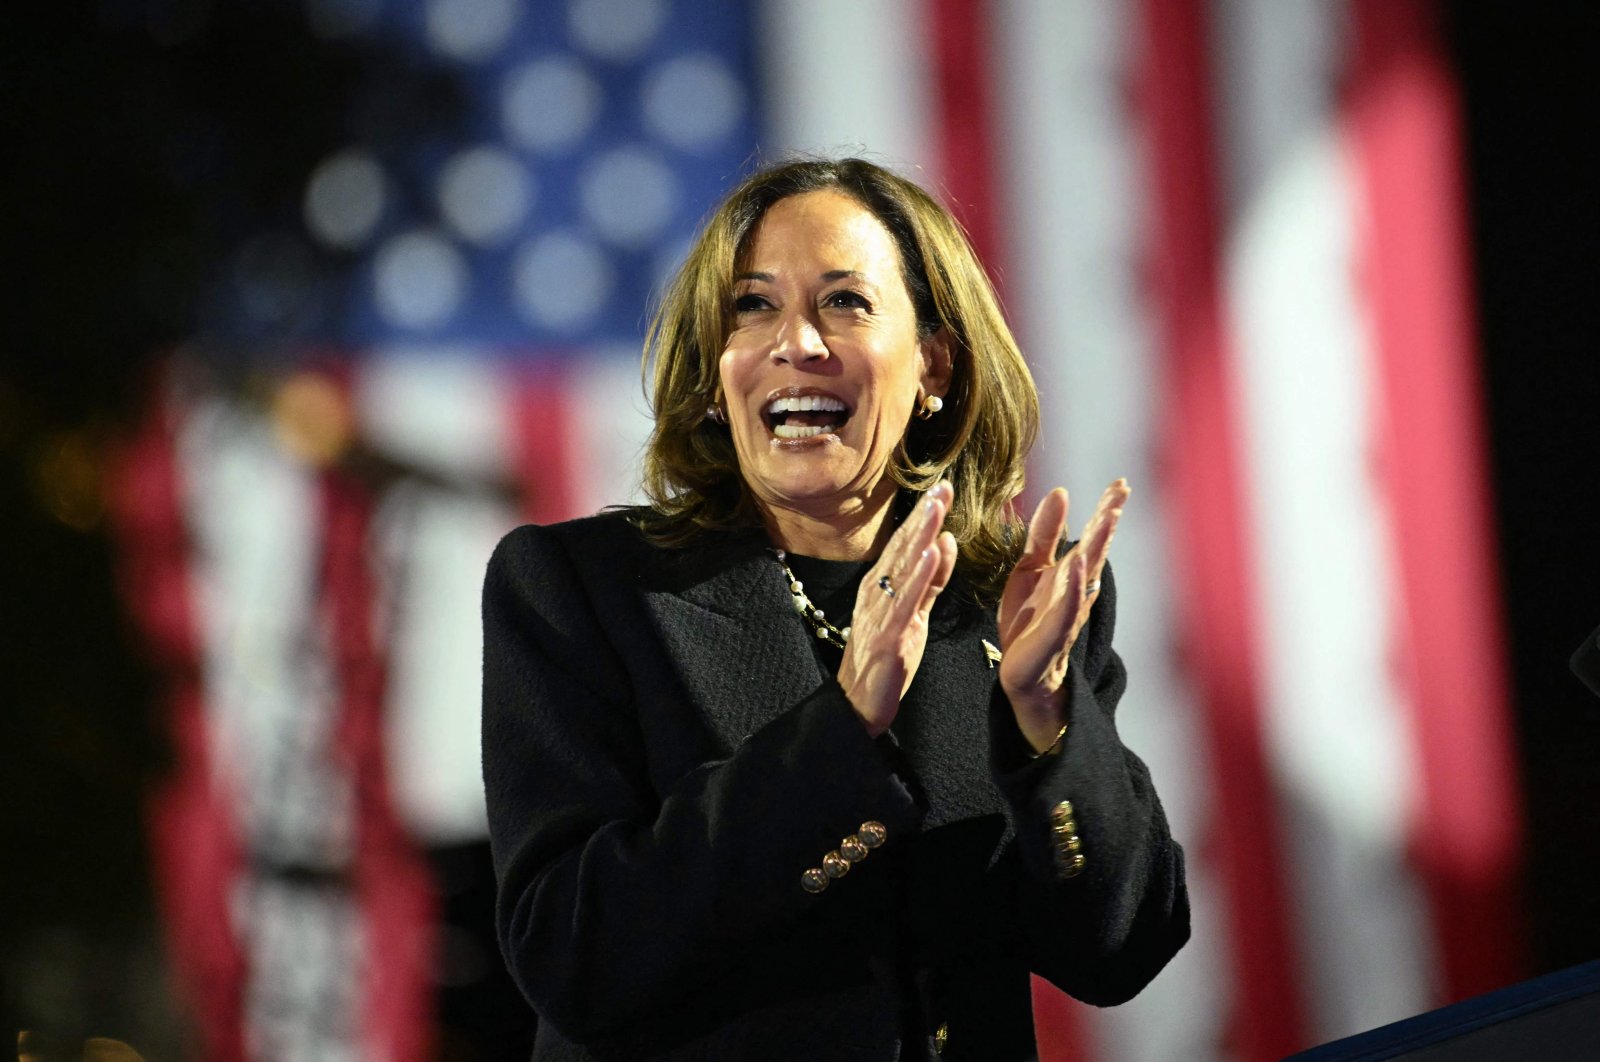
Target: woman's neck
<point>851,532</point>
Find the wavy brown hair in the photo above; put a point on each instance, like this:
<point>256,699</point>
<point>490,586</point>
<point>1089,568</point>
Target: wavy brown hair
<point>979,441</point>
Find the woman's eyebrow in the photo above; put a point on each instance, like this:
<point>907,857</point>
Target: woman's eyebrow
<point>830,276</point>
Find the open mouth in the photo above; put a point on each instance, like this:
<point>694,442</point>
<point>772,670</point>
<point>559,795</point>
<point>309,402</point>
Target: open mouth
<point>804,416</point>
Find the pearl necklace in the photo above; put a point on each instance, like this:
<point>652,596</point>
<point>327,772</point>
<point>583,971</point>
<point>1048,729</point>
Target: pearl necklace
<point>835,636</point>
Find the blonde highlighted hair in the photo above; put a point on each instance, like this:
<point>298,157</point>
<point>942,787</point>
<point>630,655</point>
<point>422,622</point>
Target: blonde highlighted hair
<point>980,439</point>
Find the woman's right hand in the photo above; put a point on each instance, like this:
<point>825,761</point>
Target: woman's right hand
<point>888,631</point>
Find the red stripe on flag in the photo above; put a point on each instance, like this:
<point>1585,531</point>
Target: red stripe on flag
<point>1058,1027</point>
<point>963,125</point>
<point>1401,108</point>
<point>1199,457</point>
<point>393,885</point>
<point>542,433</point>
<point>195,848</point>
<point>966,154</point>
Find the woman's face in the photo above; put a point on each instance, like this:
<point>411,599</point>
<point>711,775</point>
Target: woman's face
<point>821,371</point>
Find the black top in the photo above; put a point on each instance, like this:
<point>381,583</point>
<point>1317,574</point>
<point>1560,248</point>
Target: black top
<point>831,586</point>
<point>664,761</point>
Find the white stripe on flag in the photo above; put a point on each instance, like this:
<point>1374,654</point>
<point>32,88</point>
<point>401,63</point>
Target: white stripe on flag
<point>1335,723</point>
<point>445,411</point>
<point>1073,205</point>
<point>442,407</point>
<point>272,710</point>
<point>610,423</point>
<point>254,515</point>
<point>848,77</point>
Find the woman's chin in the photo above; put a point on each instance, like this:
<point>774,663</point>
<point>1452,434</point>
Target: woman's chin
<point>806,494</point>
<point>819,491</point>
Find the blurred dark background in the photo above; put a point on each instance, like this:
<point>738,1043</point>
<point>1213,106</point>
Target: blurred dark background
<point>151,144</point>
<point>1529,77</point>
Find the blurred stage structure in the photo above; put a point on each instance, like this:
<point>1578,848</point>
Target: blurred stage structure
<point>1230,238</point>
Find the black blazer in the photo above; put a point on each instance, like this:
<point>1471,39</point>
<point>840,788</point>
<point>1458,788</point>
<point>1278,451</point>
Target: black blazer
<point>664,758</point>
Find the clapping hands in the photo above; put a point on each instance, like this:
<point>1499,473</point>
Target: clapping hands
<point>1044,606</point>
<point>889,627</point>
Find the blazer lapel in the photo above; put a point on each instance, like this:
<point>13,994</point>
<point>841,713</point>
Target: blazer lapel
<point>724,614</point>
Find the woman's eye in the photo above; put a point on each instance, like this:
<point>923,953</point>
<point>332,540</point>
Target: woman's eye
<point>853,300</point>
<point>747,303</point>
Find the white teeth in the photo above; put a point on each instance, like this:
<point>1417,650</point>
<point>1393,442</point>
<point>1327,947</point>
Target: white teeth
<point>786,431</point>
<point>805,404</point>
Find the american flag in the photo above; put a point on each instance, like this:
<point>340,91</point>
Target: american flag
<point>1229,235</point>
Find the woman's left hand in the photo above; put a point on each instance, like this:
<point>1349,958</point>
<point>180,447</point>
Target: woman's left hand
<point>1045,604</point>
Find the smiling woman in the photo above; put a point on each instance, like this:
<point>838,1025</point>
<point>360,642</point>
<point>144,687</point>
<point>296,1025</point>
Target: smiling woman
<point>821,372</point>
<point>825,649</point>
<point>692,470</point>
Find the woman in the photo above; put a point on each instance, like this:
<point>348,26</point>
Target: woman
<point>814,757</point>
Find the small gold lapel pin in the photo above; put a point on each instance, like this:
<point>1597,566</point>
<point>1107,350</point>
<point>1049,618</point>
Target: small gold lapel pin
<point>991,651</point>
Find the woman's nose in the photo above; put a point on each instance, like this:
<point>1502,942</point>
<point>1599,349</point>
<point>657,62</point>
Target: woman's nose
<point>798,340</point>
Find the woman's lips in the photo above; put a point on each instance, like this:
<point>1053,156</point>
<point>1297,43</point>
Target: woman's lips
<point>804,413</point>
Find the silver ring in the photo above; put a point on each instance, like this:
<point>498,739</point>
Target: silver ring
<point>1091,587</point>
<point>885,585</point>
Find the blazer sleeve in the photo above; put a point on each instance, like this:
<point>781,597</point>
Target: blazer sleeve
<point>614,900</point>
<point>1101,929</point>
